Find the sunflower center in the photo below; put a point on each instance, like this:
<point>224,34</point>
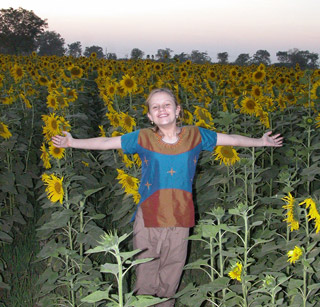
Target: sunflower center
<point>130,182</point>
<point>54,124</point>
<point>19,72</point>
<point>57,150</point>
<point>250,104</point>
<point>127,121</point>
<point>257,92</point>
<point>227,152</point>
<point>57,187</point>
<point>129,83</point>
<point>1,128</point>
<point>258,75</point>
<point>75,71</point>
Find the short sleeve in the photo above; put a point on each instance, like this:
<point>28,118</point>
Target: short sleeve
<point>129,142</point>
<point>208,139</point>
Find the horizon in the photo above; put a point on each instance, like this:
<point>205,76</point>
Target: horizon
<point>235,26</point>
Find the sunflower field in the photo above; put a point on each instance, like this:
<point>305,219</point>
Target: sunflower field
<point>65,230</point>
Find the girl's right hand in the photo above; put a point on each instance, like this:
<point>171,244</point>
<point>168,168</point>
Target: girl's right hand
<point>62,141</point>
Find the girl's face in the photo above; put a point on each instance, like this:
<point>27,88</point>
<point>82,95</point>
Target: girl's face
<point>163,110</point>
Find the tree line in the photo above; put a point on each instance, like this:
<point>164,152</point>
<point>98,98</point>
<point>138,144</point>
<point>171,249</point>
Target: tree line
<point>23,32</point>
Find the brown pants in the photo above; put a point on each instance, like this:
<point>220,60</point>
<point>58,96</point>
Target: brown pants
<point>161,276</point>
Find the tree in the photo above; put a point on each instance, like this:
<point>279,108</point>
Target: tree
<point>20,30</point>
<point>223,57</point>
<point>261,56</point>
<point>51,43</point>
<point>283,57</point>
<point>164,54</point>
<point>136,54</point>
<point>75,49</point>
<point>111,56</point>
<point>182,57</point>
<point>94,49</point>
<point>242,59</point>
<point>199,57</point>
<point>304,58</point>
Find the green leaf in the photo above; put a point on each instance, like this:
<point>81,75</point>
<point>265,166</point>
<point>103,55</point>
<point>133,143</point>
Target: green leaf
<point>127,255</point>
<point>58,220</point>
<point>7,183</point>
<point>26,209</point>
<point>92,191</point>
<point>4,286</point>
<point>110,268</point>
<point>5,237</point>
<point>210,231</point>
<point>139,261</point>
<point>314,287</point>
<point>97,296</point>
<point>144,301</point>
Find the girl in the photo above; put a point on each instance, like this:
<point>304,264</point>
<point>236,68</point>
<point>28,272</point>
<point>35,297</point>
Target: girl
<point>169,155</point>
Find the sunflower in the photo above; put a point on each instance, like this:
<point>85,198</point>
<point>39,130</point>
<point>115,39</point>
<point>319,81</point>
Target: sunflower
<point>294,255</point>
<point>25,100</point>
<point>257,91</point>
<point>202,113</point>
<point>64,124</point>
<point>258,75</point>
<point>42,80</point>
<point>157,67</point>
<point>203,124</point>
<point>52,102</point>
<point>114,118</point>
<point>313,212</point>
<point>129,183</point>
<point>71,94</point>
<point>17,72</point>
<point>128,84</point>
<point>4,131</point>
<point>137,160</point>
<point>233,73</point>
<point>249,105</point>
<point>54,187</point>
<point>226,154</point>
<point>62,101</point>
<point>56,152</point>
<point>136,197</point>
<point>211,74</point>
<point>111,90</point>
<point>126,160</point>
<point>45,157</point>
<point>51,127</point>
<point>127,122</point>
<point>315,91</point>
<point>187,117</point>
<point>6,100</point>
<point>76,72</point>
<point>236,271</point>
<point>102,132</point>
<point>291,220</point>
<point>317,119</point>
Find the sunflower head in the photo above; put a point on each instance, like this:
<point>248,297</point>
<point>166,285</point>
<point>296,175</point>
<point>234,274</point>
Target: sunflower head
<point>226,155</point>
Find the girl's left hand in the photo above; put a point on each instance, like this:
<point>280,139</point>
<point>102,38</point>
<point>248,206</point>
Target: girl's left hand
<point>272,140</point>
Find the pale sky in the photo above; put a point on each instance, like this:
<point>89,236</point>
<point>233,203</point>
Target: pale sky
<point>212,26</point>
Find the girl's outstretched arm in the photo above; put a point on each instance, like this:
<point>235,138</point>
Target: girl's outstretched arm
<point>238,140</point>
<point>99,143</point>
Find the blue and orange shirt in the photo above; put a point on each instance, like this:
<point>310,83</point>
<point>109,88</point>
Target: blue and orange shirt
<point>167,173</point>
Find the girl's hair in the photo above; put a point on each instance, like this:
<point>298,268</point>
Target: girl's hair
<point>171,94</point>
<point>161,90</point>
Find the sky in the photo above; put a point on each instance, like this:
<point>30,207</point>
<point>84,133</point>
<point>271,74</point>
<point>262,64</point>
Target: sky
<point>233,26</point>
